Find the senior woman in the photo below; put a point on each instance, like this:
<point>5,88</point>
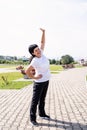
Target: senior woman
<point>41,78</point>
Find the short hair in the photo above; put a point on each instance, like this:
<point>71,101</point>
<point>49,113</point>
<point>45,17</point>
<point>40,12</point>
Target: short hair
<point>31,48</point>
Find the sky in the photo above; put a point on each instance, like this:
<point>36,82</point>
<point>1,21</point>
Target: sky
<point>65,22</point>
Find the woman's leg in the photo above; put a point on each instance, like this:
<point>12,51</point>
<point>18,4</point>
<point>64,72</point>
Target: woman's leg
<point>35,98</point>
<point>41,105</point>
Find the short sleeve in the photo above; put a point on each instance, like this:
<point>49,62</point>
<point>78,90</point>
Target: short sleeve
<point>33,63</point>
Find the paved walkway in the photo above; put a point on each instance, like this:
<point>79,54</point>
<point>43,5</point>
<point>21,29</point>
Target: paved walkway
<point>66,103</point>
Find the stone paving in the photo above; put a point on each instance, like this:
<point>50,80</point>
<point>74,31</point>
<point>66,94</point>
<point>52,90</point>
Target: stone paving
<point>66,103</point>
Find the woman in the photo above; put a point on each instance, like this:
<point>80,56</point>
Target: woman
<point>41,78</point>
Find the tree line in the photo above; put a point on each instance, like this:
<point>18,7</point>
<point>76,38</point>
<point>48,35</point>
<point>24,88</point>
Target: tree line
<point>65,59</point>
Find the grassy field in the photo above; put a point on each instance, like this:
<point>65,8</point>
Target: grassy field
<point>7,79</point>
<point>53,68</point>
<point>7,66</point>
<point>56,68</point>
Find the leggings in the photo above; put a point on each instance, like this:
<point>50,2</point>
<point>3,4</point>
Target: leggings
<point>38,98</point>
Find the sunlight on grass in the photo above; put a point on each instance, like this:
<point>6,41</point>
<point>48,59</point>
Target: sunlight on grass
<point>56,68</point>
<point>15,85</point>
<point>7,81</point>
<point>12,75</point>
<point>7,65</point>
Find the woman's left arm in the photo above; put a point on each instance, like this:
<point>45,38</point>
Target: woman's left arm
<point>42,39</point>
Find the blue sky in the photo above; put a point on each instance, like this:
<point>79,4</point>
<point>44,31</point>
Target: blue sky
<point>65,22</point>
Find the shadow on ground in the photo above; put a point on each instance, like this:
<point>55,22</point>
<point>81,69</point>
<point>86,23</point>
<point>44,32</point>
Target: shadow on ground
<point>64,124</point>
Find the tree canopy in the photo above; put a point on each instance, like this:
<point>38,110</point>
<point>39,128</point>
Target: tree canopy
<point>66,59</point>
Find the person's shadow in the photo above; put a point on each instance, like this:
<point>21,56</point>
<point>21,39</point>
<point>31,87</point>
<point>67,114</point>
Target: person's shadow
<point>64,125</point>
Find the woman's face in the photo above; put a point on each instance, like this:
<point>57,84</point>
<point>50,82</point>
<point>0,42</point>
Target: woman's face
<point>37,52</point>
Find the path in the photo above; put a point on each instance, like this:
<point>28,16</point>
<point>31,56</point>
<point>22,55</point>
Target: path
<point>66,103</point>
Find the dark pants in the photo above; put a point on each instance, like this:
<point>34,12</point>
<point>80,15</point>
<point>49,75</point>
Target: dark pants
<point>39,94</point>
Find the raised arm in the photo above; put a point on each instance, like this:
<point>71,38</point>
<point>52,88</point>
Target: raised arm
<point>42,39</point>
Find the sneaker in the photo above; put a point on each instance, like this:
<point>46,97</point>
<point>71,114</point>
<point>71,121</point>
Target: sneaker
<point>34,123</point>
<point>45,117</point>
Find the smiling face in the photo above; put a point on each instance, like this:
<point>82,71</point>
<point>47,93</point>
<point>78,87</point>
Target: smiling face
<point>37,52</point>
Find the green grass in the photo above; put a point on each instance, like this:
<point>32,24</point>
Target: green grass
<point>12,75</point>
<point>56,68</point>
<point>10,66</point>
<point>15,85</point>
<point>52,67</point>
<point>7,65</point>
<point>9,83</point>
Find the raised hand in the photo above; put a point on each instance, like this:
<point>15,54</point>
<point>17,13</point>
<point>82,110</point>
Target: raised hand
<point>39,76</point>
<point>42,29</point>
<point>42,39</point>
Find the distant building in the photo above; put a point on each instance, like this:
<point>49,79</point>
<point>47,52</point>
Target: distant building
<point>1,57</point>
<point>83,62</point>
<point>25,59</point>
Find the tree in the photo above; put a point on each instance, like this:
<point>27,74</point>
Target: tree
<point>52,61</point>
<point>66,59</point>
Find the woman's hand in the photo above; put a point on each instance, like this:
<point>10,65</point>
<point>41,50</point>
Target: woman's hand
<point>19,67</point>
<point>23,72</point>
<point>42,29</point>
<point>38,77</point>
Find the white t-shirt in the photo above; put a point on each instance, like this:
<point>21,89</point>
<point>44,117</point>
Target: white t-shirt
<point>41,66</point>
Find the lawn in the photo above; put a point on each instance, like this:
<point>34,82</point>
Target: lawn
<point>7,66</point>
<point>7,81</point>
<point>55,69</point>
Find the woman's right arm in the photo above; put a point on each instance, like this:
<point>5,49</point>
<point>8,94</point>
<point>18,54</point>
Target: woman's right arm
<point>31,75</point>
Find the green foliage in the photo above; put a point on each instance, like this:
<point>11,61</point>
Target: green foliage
<point>53,61</point>
<point>11,76</point>
<point>7,81</point>
<point>14,84</point>
<point>66,59</point>
<point>16,62</point>
<point>20,61</point>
